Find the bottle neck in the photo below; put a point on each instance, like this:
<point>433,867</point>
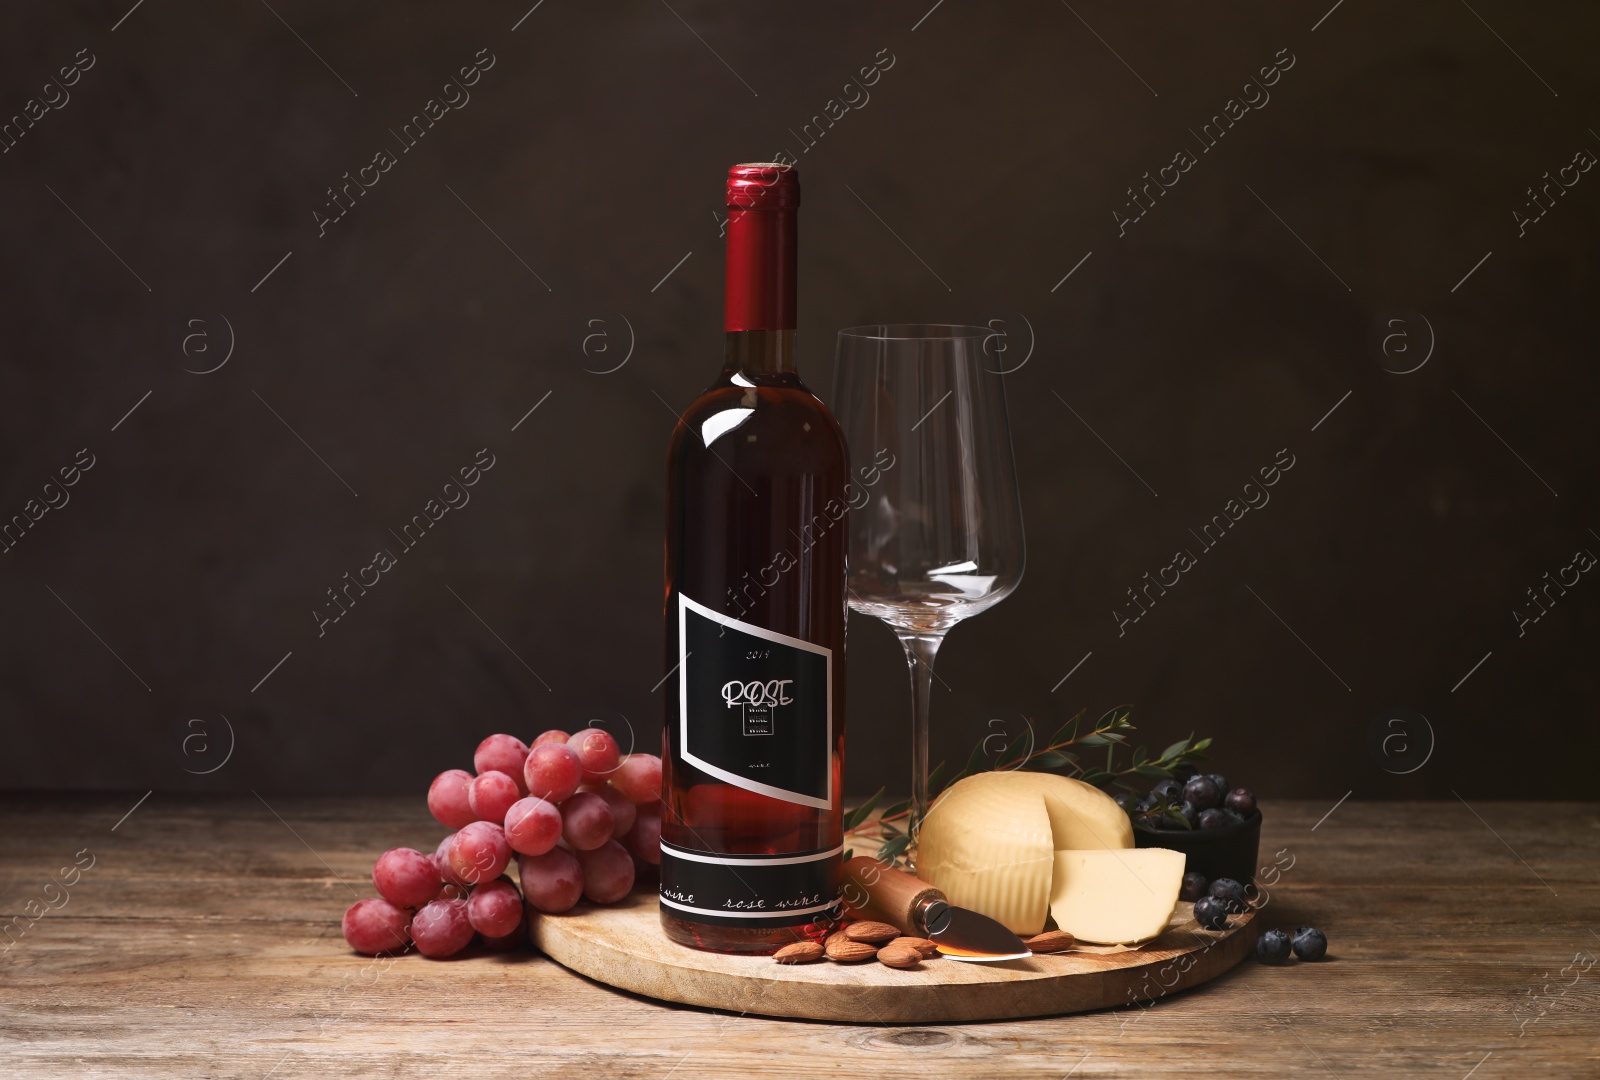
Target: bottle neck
<point>760,289</point>
<point>759,310</point>
<point>759,352</point>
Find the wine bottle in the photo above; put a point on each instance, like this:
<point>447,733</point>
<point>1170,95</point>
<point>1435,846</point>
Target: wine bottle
<point>756,542</point>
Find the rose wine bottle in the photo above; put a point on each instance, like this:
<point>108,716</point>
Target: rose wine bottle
<point>756,542</point>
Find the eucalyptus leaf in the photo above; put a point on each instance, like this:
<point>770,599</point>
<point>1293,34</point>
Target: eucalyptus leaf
<point>859,814</point>
<point>1119,715</point>
<point>1098,777</point>
<point>893,849</point>
<point>1068,732</point>
<point>1012,756</point>
<point>1176,748</point>
<point>974,761</point>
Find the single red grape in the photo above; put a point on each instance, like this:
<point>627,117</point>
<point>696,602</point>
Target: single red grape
<point>607,872</point>
<point>623,811</point>
<point>374,926</point>
<point>586,821</point>
<point>553,772</point>
<point>479,852</point>
<point>406,877</point>
<point>441,928</point>
<point>532,826</point>
<point>551,882</point>
<point>598,752</point>
<point>551,736</point>
<point>492,794</point>
<point>441,859</point>
<point>501,753</point>
<point>447,799</point>
<point>644,839</point>
<point>639,778</point>
<point>495,908</point>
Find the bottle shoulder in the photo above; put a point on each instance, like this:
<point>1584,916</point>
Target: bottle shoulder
<point>774,411</point>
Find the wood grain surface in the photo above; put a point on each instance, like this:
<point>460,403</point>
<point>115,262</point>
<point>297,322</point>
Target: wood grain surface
<point>622,945</point>
<point>204,941</point>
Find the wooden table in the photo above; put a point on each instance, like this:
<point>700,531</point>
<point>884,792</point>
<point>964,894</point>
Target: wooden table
<point>204,941</point>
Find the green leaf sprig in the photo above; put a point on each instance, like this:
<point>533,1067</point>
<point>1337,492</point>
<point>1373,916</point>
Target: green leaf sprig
<point>1064,755</point>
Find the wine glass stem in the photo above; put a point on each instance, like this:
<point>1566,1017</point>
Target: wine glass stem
<point>921,647</point>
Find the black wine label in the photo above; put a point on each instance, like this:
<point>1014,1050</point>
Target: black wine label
<point>749,890</point>
<point>755,708</point>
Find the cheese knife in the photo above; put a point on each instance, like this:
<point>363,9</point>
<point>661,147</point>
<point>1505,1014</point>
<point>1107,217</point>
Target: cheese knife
<point>920,910</point>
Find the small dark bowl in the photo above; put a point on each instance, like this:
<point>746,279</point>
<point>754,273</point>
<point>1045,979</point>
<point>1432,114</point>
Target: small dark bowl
<point>1228,851</point>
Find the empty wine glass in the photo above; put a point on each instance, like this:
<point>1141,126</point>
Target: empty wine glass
<point>938,537</point>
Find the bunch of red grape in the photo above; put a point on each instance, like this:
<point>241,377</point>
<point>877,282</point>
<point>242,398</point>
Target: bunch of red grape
<point>576,815</point>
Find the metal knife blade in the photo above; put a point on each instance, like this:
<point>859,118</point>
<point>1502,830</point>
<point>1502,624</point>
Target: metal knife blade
<point>966,935</point>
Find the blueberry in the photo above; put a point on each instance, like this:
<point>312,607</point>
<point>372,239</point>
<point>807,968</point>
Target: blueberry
<point>1203,793</point>
<point>1210,913</point>
<point>1242,800</point>
<point>1273,947</point>
<point>1145,803</point>
<point>1219,780</point>
<point>1229,893</point>
<point>1310,944</point>
<point>1126,800</point>
<point>1194,887</point>
<point>1189,812</point>
<point>1171,790</point>
<point>1213,818</point>
<point>1232,817</point>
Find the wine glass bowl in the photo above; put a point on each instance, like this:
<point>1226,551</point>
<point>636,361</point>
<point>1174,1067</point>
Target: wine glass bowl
<point>939,536</point>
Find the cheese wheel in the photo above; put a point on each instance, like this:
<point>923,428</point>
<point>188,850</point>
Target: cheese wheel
<point>1115,897</point>
<point>989,842</point>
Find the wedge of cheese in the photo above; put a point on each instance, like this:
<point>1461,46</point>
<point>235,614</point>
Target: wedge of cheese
<point>989,843</point>
<point>1115,897</point>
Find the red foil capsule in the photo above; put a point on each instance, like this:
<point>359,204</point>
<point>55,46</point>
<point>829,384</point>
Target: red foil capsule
<point>762,200</point>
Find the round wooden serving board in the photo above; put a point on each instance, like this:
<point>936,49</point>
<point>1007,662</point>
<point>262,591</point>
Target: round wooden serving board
<point>623,945</point>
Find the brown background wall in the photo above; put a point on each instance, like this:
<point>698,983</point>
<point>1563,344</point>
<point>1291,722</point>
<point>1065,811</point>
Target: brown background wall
<point>588,162</point>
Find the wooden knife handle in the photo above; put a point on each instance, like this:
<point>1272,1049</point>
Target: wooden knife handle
<point>882,892</point>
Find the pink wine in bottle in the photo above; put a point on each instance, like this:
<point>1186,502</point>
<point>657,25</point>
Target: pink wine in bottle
<point>757,535</point>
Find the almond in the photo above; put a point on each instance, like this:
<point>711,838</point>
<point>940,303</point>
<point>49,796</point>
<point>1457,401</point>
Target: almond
<point>801,952</point>
<point>1051,941</point>
<point>899,956</point>
<point>846,951</point>
<point>925,948</point>
<point>874,932</point>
